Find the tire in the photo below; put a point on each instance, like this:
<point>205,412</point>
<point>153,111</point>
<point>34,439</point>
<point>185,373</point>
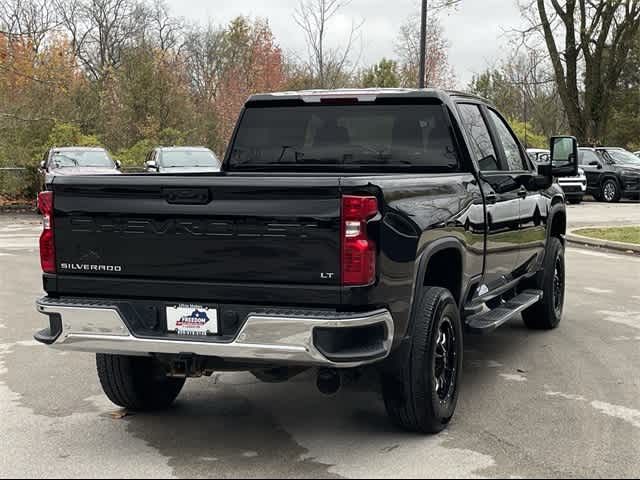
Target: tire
<point>547,313</point>
<point>611,191</point>
<point>416,397</point>
<point>137,383</point>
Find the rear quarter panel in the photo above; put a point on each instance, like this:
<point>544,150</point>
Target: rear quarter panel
<point>418,213</point>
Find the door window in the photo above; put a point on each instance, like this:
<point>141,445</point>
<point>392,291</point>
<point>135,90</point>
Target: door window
<point>481,145</point>
<point>509,143</point>
<point>586,157</point>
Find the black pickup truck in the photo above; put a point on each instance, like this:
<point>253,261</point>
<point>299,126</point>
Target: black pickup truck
<point>347,229</point>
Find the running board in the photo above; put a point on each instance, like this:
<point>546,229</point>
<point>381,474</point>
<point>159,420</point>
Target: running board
<point>487,322</point>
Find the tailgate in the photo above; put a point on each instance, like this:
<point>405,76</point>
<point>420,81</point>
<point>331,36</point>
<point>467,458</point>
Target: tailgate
<point>215,228</point>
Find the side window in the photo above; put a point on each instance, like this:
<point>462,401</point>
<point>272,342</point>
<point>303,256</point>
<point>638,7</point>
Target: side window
<point>509,143</point>
<point>481,144</point>
<point>586,157</point>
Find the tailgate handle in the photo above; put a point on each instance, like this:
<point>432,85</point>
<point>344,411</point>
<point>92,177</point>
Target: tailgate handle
<point>186,196</point>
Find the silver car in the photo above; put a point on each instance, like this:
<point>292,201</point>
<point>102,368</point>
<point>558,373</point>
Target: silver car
<point>574,188</point>
<point>182,160</point>
<point>65,161</point>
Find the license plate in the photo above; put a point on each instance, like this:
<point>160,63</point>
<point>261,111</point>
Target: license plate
<point>192,320</point>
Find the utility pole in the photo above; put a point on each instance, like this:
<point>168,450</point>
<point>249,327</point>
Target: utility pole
<point>423,45</point>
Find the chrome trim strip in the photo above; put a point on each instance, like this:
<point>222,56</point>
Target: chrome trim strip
<point>268,338</point>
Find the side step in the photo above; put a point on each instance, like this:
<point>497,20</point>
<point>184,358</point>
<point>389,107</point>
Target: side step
<point>487,322</point>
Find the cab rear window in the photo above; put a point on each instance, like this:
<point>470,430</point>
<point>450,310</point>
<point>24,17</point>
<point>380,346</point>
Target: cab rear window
<point>343,137</point>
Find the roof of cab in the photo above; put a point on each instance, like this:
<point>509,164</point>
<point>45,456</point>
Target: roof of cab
<point>362,94</point>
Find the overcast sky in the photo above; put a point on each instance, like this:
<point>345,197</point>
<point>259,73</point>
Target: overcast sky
<point>476,30</point>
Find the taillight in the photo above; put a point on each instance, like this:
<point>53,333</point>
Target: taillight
<point>47,243</point>
<point>358,250</point>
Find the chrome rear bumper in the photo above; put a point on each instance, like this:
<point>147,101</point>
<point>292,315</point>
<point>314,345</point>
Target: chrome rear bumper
<point>273,338</point>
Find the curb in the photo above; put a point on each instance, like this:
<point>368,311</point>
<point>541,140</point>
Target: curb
<point>597,243</point>
<point>17,209</point>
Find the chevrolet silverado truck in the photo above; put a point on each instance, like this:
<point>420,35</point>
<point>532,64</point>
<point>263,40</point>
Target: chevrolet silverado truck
<point>347,229</point>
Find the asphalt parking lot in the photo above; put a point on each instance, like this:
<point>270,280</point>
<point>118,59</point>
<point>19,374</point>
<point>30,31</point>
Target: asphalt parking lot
<point>592,213</point>
<point>559,404</point>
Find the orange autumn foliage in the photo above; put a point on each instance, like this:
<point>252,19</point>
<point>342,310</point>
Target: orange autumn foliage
<point>260,70</point>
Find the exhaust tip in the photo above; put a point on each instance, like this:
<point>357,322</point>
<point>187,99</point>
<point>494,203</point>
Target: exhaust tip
<point>329,381</point>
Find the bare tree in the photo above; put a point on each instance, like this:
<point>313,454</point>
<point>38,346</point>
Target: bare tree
<point>327,65</point>
<point>100,30</point>
<point>166,29</point>
<point>438,71</point>
<point>204,52</point>
<point>33,20</point>
<point>588,42</point>
<point>523,87</point>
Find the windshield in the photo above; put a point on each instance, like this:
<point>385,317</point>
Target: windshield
<point>188,158</point>
<point>80,158</point>
<point>342,137</point>
<point>623,157</point>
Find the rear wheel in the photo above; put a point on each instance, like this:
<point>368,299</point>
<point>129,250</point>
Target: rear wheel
<point>137,383</point>
<point>547,313</point>
<point>611,191</point>
<point>422,393</point>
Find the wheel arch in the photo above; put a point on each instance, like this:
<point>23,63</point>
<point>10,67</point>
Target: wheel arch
<point>557,222</point>
<point>609,176</point>
<point>436,255</point>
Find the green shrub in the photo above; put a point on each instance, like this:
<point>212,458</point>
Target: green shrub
<point>531,139</point>
<point>134,157</point>
<point>70,135</point>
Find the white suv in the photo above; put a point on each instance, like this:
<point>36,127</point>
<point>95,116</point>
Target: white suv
<point>574,188</point>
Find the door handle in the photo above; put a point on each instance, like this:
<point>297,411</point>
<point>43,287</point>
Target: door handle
<point>522,193</point>
<point>492,198</point>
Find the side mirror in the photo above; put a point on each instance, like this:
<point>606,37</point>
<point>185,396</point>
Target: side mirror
<point>564,156</point>
<point>43,165</point>
<point>118,164</point>
<point>151,166</point>
<point>596,164</point>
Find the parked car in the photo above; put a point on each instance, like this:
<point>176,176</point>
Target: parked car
<point>612,173</point>
<point>347,229</point>
<point>539,155</point>
<point>574,188</point>
<point>65,161</point>
<point>182,160</point>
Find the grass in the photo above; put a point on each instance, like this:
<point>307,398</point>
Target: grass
<point>617,234</point>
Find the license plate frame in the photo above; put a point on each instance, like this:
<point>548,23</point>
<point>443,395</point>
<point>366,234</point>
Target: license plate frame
<point>191,320</point>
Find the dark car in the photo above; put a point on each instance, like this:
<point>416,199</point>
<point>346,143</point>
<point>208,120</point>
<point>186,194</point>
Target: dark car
<point>347,229</point>
<point>612,173</point>
<point>182,160</point>
<point>79,161</point>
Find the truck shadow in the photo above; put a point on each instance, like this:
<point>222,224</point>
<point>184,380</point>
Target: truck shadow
<point>235,425</point>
